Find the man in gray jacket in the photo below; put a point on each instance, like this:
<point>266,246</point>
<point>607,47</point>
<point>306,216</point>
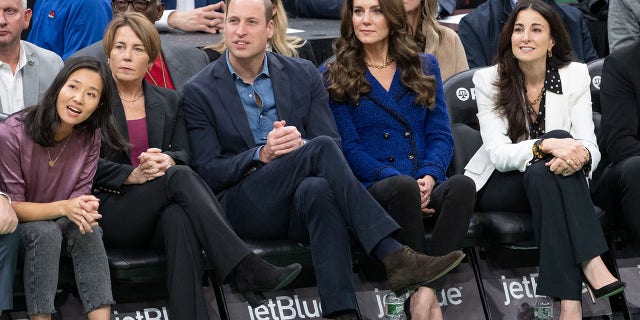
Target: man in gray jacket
<point>26,70</point>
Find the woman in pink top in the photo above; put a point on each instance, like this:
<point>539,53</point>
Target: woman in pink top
<point>49,155</point>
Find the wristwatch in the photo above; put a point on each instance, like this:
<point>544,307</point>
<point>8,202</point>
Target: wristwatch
<point>6,196</point>
<point>537,151</point>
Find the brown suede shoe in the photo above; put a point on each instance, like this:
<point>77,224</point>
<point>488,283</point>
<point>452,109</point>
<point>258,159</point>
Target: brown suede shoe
<point>407,269</point>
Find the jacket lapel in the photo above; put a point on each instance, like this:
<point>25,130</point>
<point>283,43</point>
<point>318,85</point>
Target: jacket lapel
<point>30,83</point>
<point>232,103</point>
<point>155,114</point>
<point>121,120</point>
<point>281,89</point>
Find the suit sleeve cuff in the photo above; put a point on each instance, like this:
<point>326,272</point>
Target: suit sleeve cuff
<point>163,23</point>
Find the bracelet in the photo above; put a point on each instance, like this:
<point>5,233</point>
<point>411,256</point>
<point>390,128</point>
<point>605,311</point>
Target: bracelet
<point>6,196</point>
<point>537,151</point>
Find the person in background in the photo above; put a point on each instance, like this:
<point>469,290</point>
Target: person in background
<point>264,139</point>
<point>9,244</point>
<point>619,186</point>
<point>480,29</point>
<point>623,23</point>
<point>192,16</point>
<point>438,40</point>
<point>176,63</point>
<point>65,27</point>
<point>327,9</point>
<point>26,70</point>
<point>150,197</point>
<point>280,42</point>
<point>539,148</point>
<point>48,161</point>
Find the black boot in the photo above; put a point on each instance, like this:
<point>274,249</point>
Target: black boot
<point>253,275</point>
<point>407,269</point>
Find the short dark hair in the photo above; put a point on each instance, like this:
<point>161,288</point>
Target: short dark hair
<point>42,121</point>
<point>268,9</point>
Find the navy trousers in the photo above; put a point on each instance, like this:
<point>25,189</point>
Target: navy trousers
<point>311,196</point>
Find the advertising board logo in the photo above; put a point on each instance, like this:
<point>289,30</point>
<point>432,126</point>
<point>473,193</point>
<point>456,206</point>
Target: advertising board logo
<point>462,94</point>
<point>595,81</point>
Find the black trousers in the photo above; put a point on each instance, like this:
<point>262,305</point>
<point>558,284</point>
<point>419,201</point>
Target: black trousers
<point>619,188</point>
<point>453,200</point>
<point>566,228</point>
<point>179,214</point>
<point>311,196</point>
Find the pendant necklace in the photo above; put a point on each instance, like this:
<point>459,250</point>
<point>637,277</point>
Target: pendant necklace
<point>53,162</point>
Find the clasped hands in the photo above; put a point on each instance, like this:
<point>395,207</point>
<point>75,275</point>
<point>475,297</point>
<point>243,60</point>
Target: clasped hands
<point>426,184</point>
<point>153,164</point>
<point>83,211</point>
<point>281,140</point>
<point>569,155</point>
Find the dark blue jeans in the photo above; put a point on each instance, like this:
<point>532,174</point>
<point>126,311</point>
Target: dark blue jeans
<point>311,196</point>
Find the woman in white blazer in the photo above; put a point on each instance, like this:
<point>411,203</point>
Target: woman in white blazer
<point>539,147</point>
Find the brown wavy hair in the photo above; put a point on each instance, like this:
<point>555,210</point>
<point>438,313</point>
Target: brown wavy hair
<point>510,100</point>
<point>346,75</point>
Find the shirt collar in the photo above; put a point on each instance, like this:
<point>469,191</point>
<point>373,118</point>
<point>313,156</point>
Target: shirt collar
<point>552,80</point>
<point>22,59</point>
<point>265,66</point>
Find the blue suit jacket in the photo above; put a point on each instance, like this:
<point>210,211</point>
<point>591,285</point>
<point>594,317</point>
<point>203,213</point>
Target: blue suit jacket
<point>387,134</point>
<point>479,31</point>
<point>222,143</point>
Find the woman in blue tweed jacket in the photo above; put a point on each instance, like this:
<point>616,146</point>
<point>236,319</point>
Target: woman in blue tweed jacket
<point>388,103</point>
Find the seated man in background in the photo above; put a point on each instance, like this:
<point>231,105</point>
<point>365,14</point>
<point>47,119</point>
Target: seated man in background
<point>192,15</point>
<point>264,140</point>
<point>480,30</point>
<point>26,70</point>
<point>623,23</point>
<point>176,62</point>
<point>9,241</point>
<point>619,135</point>
<point>70,25</point>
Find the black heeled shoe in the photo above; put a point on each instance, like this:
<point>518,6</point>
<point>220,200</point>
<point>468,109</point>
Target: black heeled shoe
<point>252,276</point>
<point>611,289</point>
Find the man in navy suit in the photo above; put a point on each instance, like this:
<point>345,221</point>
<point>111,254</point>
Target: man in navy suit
<point>264,140</point>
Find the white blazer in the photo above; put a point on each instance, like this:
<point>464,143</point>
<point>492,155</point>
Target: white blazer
<point>570,111</point>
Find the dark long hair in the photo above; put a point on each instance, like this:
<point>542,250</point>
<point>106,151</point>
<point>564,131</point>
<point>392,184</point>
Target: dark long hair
<point>510,101</point>
<point>42,121</point>
<point>346,75</point>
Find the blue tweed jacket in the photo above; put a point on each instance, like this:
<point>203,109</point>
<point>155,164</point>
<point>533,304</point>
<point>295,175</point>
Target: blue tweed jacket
<point>387,134</point>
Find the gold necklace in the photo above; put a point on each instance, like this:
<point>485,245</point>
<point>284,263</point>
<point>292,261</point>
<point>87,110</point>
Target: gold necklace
<point>386,63</point>
<point>164,80</point>
<point>537,99</point>
<point>53,162</point>
<point>134,100</point>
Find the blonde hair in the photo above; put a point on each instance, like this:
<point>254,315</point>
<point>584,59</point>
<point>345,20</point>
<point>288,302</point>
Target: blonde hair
<point>280,42</point>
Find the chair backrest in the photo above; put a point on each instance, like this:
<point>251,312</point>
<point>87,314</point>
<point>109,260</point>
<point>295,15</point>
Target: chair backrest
<point>460,95</point>
<point>595,72</point>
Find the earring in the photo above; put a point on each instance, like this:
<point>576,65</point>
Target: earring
<point>549,54</point>
<point>108,61</point>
